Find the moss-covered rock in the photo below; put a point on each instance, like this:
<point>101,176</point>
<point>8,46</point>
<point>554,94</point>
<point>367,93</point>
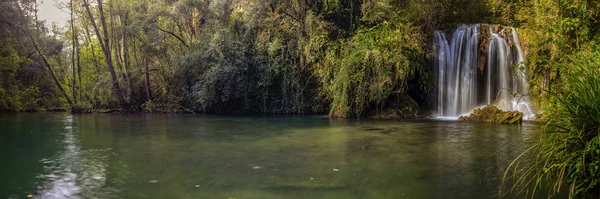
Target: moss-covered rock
<point>491,114</point>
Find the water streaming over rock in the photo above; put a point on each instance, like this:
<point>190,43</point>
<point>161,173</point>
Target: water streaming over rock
<point>480,65</point>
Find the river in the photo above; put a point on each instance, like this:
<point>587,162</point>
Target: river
<point>59,155</point>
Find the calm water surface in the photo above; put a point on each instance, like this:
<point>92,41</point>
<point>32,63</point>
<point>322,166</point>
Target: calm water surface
<point>58,155</point>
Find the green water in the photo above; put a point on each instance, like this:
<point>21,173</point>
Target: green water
<point>57,155</point>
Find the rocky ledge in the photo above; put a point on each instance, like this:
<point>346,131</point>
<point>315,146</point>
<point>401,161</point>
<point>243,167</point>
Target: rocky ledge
<point>491,114</point>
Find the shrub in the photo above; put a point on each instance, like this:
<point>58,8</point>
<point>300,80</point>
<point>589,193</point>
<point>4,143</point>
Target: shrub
<point>370,68</point>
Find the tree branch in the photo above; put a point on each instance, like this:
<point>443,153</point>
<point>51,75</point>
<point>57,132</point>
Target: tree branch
<point>174,35</point>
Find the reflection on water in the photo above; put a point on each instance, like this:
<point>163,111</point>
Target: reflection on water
<point>72,172</point>
<point>187,156</point>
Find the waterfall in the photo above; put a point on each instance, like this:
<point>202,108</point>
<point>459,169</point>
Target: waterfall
<point>468,77</point>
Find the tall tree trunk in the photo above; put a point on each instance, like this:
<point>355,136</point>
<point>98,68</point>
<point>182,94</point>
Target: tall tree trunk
<point>116,40</point>
<point>80,88</point>
<point>76,36</point>
<point>56,81</point>
<point>105,44</point>
<point>125,57</point>
<point>108,55</point>
<point>73,67</point>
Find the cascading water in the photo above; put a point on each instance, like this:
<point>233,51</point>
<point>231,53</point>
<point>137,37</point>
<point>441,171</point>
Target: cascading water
<point>457,64</point>
<point>468,77</point>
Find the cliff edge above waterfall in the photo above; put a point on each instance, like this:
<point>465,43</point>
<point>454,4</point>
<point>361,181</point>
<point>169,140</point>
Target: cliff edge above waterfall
<point>491,114</point>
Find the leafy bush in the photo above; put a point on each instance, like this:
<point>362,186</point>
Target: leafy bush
<point>370,67</point>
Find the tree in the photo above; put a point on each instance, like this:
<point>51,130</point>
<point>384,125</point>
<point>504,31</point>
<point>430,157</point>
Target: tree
<point>104,40</point>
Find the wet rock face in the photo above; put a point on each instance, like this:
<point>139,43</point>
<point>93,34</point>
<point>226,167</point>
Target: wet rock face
<point>491,114</point>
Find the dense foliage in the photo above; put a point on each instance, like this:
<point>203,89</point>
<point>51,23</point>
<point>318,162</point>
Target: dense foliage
<point>351,58</point>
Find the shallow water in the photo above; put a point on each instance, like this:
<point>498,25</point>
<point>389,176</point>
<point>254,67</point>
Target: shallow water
<point>58,155</point>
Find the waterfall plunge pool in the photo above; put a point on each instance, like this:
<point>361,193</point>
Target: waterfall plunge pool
<point>58,155</point>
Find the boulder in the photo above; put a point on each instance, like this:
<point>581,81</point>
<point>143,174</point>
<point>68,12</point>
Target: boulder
<point>491,114</point>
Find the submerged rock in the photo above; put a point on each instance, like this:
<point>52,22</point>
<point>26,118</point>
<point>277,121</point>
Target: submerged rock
<point>491,114</point>
<point>369,128</point>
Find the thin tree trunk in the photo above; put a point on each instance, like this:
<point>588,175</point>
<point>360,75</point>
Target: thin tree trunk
<point>148,90</point>
<point>73,67</point>
<point>77,48</point>
<point>37,25</point>
<point>125,57</point>
<point>78,65</point>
